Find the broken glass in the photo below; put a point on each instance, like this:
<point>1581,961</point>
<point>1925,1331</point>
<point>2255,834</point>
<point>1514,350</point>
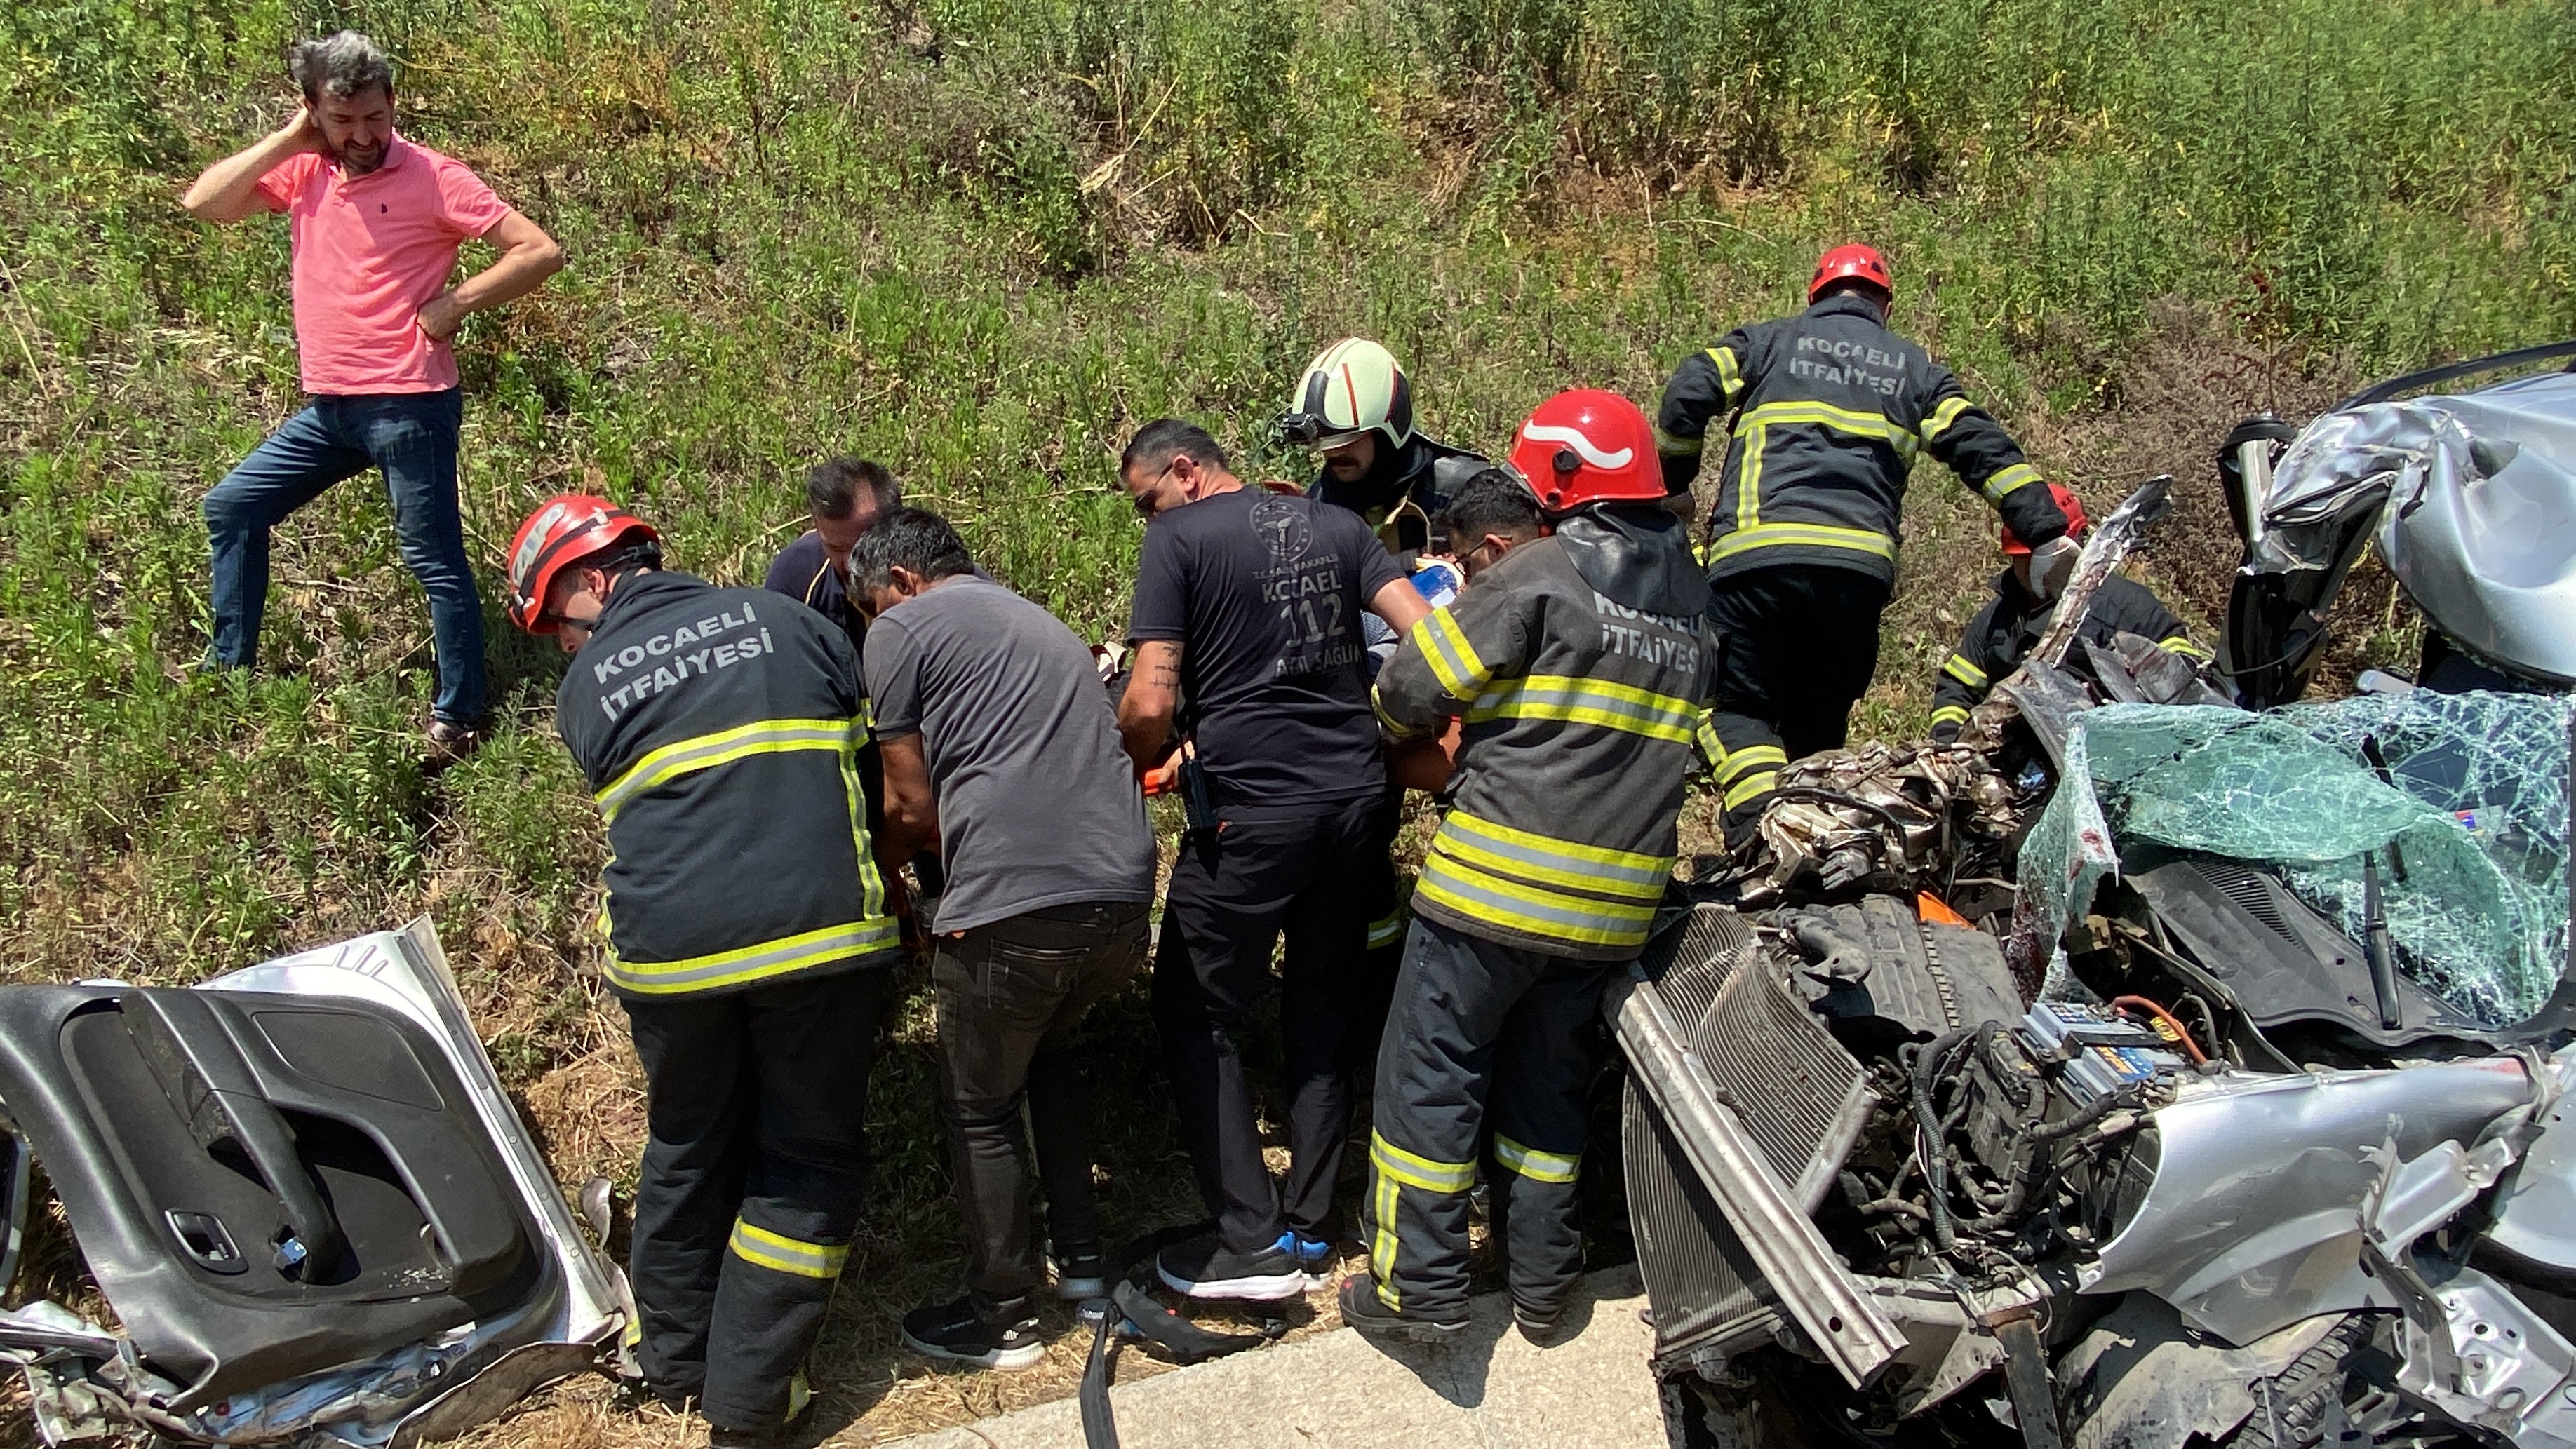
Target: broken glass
<point>2469,823</point>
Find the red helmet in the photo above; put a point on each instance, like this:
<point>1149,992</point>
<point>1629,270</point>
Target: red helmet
<point>2068,504</point>
<point>1854,260</point>
<point>566,529</point>
<point>1588,446</point>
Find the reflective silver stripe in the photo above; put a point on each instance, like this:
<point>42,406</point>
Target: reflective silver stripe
<point>1388,929</point>
<point>754,963</point>
<point>1617,872</point>
<point>1530,909</point>
<point>776,1251</point>
<point>687,757</point>
<point>1534,1164</point>
<point>1584,701</point>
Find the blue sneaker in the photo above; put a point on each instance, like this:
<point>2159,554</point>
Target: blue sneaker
<point>1315,1255</point>
<point>1204,1268</point>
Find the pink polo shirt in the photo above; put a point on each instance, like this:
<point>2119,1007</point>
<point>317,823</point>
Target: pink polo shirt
<point>370,251</point>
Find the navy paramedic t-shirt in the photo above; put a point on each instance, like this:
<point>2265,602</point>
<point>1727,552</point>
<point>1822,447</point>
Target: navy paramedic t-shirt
<point>1264,593</point>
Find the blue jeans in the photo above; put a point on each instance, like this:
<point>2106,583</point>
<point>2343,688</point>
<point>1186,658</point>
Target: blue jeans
<point>412,437</point>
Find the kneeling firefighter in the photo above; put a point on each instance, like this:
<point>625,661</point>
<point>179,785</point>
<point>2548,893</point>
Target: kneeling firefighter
<point>747,923</point>
<point>1581,660</point>
<point>2004,632</point>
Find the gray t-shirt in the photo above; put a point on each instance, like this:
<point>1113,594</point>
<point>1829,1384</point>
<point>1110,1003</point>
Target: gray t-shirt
<point>1038,804</point>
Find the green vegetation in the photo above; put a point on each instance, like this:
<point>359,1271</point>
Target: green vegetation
<point>982,239</point>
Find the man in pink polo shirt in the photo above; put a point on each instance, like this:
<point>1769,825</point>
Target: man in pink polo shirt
<point>376,222</point>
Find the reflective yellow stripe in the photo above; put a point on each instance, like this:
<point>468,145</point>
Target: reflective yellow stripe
<point>1536,857</point>
<point>1386,930</point>
<point>1949,714</point>
<point>759,962</point>
<point>872,892</point>
<point>2181,644</point>
<point>1498,900</point>
<point>1958,668</point>
<point>1752,787</point>
<point>2008,481</point>
<point>787,1255</point>
<point>1809,535</point>
<point>1395,1169</point>
<point>1826,415</point>
<point>1736,762</point>
<point>1943,416</point>
<point>1730,376</point>
<point>705,752</point>
<point>1711,748</point>
<point>1452,659</point>
<point>1672,447</point>
<point>1533,1164</point>
<point>1415,1170</point>
<point>1588,701</point>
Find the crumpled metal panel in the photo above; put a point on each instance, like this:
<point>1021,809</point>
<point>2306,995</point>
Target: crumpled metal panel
<point>2479,522</point>
<point>2254,1220</point>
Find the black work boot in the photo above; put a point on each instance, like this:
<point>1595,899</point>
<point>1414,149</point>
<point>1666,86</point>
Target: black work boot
<point>1364,1310</point>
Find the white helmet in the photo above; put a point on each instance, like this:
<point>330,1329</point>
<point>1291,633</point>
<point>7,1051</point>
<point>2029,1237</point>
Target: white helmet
<point>1350,388</point>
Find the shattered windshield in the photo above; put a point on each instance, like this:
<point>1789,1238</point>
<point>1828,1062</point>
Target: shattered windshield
<point>2470,823</point>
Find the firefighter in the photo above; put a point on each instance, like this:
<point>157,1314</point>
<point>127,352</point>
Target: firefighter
<point>2002,633</point>
<point>747,926</point>
<point>1354,405</point>
<point>1828,410</point>
<point>1580,662</point>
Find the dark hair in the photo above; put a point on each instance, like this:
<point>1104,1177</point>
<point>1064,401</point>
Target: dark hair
<point>1492,501</point>
<point>914,539</point>
<point>832,487</point>
<point>1157,443</point>
<point>1869,291</point>
<point>341,65</point>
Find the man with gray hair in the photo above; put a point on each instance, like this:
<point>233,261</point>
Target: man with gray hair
<point>376,221</point>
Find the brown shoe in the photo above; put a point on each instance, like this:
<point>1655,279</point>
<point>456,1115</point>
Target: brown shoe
<point>450,742</point>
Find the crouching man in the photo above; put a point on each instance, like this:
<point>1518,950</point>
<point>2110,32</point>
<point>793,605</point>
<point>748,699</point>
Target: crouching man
<point>747,926</point>
<point>1002,755</point>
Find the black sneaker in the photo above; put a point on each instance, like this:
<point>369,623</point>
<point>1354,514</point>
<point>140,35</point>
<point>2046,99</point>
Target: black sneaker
<point>1543,1327</point>
<point>1081,1273</point>
<point>960,1333</point>
<point>1364,1310</point>
<point>1204,1268</point>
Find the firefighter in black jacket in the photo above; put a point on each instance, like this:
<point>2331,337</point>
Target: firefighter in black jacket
<point>1355,407</point>
<point>1829,409</point>
<point>2004,630</point>
<point>745,919</point>
<point>1579,663</point>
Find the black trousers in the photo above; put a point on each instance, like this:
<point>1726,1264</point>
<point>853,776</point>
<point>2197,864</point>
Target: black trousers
<point>1234,891</point>
<point>1488,1043</point>
<point>1796,647</point>
<point>1373,990</point>
<point>754,1163</point>
<point>1008,996</point>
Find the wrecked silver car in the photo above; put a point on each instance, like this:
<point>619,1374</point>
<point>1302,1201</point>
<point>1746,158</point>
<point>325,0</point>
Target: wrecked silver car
<point>302,1192</point>
<point>2469,497</point>
<point>2146,1072</point>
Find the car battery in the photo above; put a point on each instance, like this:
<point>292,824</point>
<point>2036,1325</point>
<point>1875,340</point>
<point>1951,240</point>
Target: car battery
<point>2102,1051</point>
